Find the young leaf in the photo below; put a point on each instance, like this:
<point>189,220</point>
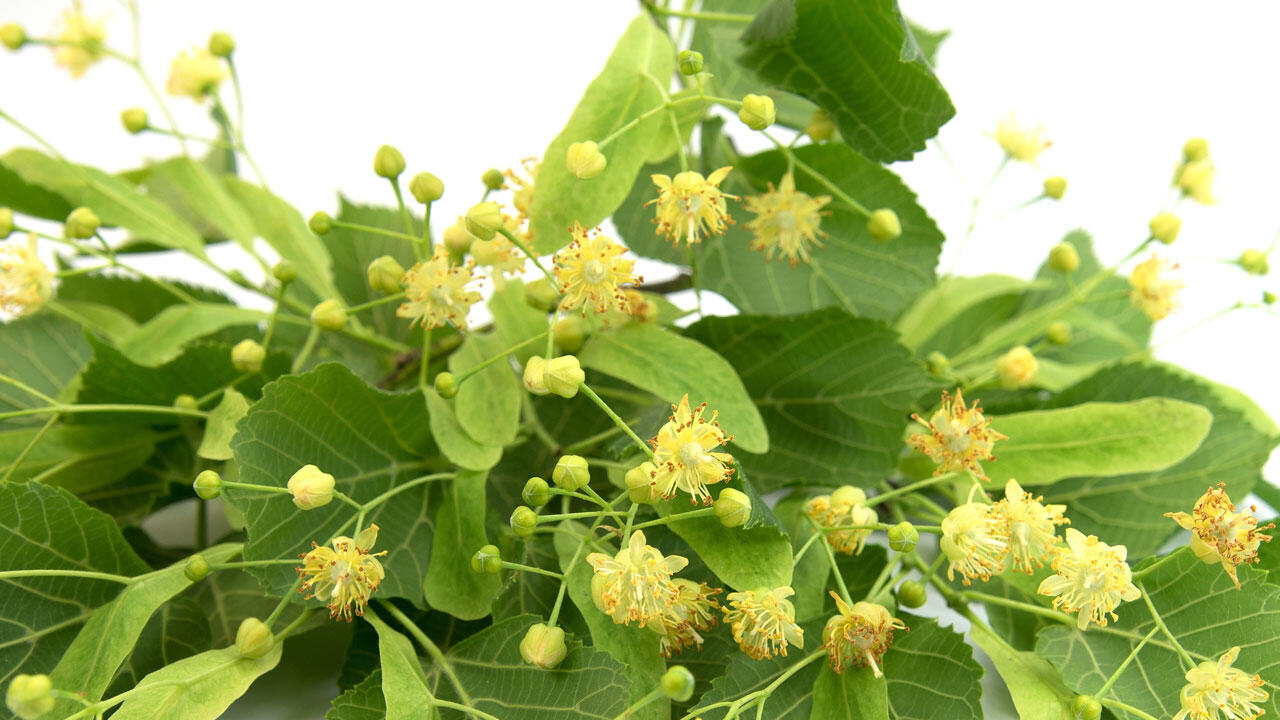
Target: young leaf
<point>855,694</point>
<point>178,630</point>
<point>488,403</point>
<point>1036,687</point>
<point>282,226</point>
<point>189,188</point>
<point>221,426</point>
<point>162,338</point>
<point>451,585</point>
<point>461,449</point>
<point>939,306</point>
<point>203,685</point>
<point>405,690</point>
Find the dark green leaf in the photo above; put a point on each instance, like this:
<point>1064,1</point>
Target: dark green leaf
<point>931,673</point>
<point>362,702</point>
<point>44,352</point>
<point>194,192</point>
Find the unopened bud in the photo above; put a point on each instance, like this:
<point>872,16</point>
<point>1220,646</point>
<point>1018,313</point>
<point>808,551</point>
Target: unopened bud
<point>311,487</point>
<point>1254,262</point>
<point>564,376</point>
<point>733,507</point>
<point>208,485</point>
<point>541,294</point>
<point>1268,297</point>
<point>254,638</point>
<point>446,383</point>
<point>536,492</point>
<point>487,560</point>
<point>484,219</point>
<point>571,473</point>
<point>1055,187</point>
<point>1059,333</point>
<point>639,480</point>
<point>1164,227</point>
<point>385,274</point>
<point>457,239</point>
<point>903,537</point>
<point>585,160</point>
<point>238,278</point>
<point>1063,257</point>
<point>197,568</point>
<point>848,495</point>
<point>388,162</point>
<point>1085,707</point>
<point>30,696</point>
<point>13,36</point>
<point>329,315</point>
<point>186,401</point>
<point>757,111</point>
<point>543,646</point>
<point>6,222</point>
<point>690,62</point>
<point>1017,368</point>
<point>883,225</point>
<point>570,331</point>
<point>492,179</point>
<point>820,127</point>
<point>535,375</point>
<point>1195,150</point>
<point>82,224</point>
<point>284,272</point>
<point>247,356</point>
<point>320,223</point>
<point>426,188</point>
<point>677,683</point>
<point>937,363</point>
<point>221,44</point>
<point>523,521</point>
<point>912,594</point>
<point>134,120</point>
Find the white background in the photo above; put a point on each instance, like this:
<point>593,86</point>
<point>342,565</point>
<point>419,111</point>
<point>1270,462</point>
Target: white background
<point>460,87</point>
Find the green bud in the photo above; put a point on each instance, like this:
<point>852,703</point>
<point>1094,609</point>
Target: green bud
<point>284,272</point>
<point>523,521</point>
<point>543,646</point>
<point>493,179</point>
<point>197,568</point>
<point>426,188</point>
<point>238,278</point>
<point>446,383</point>
<point>535,375</point>
<point>757,112</point>
<point>1086,708</point>
<point>903,537</point>
<point>247,356</point>
<point>733,507</point>
<point>135,120</point>
<point>564,376</point>
<point>329,315</point>
<point>848,495</point>
<point>1268,297</point>
<point>639,480</point>
<point>6,222</point>
<point>690,62</point>
<point>30,696</point>
<point>571,473</point>
<point>820,127</point>
<point>385,275</point>
<point>13,35</point>
<point>1064,258</point>
<point>883,225</point>
<point>254,638</point>
<point>1195,150</point>
<point>1059,333</point>
<point>677,682</point>
<point>457,239</point>
<point>208,485</point>
<point>570,331</point>
<point>388,162</point>
<point>585,160</point>
<point>937,363</point>
<point>82,224</point>
<point>221,44</point>
<point>542,295</point>
<point>484,219</point>
<point>487,560</point>
<point>912,594</point>
<point>186,401</point>
<point>320,223</point>
<point>1254,262</point>
<point>536,492</point>
<point>1165,227</point>
<point>1055,187</point>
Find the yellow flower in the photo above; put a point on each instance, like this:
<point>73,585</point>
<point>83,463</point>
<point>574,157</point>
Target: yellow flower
<point>763,621</point>
<point>437,293</point>
<point>1019,143</point>
<point>691,206</point>
<point>1031,526</point>
<point>959,438</point>
<point>1220,534</point>
<point>25,282</point>
<point>844,507</point>
<point>786,221</point>
<point>637,583</point>
<point>346,575</point>
<point>1217,690</point>
<point>860,635</point>
<point>591,270</point>
<point>1092,578</point>
<point>522,194</point>
<point>1195,180</point>
<point>195,73</point>
<point>499,253</point>
<point>80,43</point>
<point>975,539</point>
<point>1152,290</point>
<point>690,614</point>
<point>682,454</point>
<point>1017,368</point>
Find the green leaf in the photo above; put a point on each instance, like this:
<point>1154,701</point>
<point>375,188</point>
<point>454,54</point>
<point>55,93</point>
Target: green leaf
<point>203,685</point>
<point>44,352</point>
<point>855,694</point>
<point>81,459</point>
<point>939,306</point>
<point>353,250</point>
<point>41,528</point>
<point>834,391</point>
<point>140,299</point>
<point>179,630</point>
<point>116,202</point>
<point>30,199</point>
<point>404,686</point>
<point>370,441</point>
<point>1037,688</point>
<point>1202,609</point>
<point>1098,439</point>
<point>105,320</point>
<point>931,673</point>
<point>362,702</point>
<point>926,42</point>
<point>515,321</point>
<point>227,597</point>
<point>619,94</point>
<point>461,449</point>
<point>488,403</point>
<point>221,426</point>
<point>188,187</point>
<point>848,58</point>
<point>451,585</point>
<point>162,338</point>
<point>744,559</point>
<point>670,366</point>
<point>791,700</point>
<point>277,222</point>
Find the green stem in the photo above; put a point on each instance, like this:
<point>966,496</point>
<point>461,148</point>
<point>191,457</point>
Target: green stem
<point>1139,574</point>
<point>532,569</point>
<point>427,248</point>
<point>1155,615</point>
<point>872,502</point>
<point>1016,605</point>
<point>500,356</point>
<point>27,389</point>
<point>528,253</point>
<point>823,180</point>
<point>375,230</point>
<point>240,564</point>
<point>401,488</point>
<point>83,574</point>
<point>737,18</point>
<point>677,517</point>
<point>616,419</point>
<point>424,359</point>
<point>795,560</point>
<point>72,409</point>
<point>202,526</point>
<point>592,441</point>
<point>284,602</point>
<point>631,518</point>
<point>654,694</point>
<point>576,516</point>
<point>307,347</point>
<point>292,627</point>
<point>274,319</point>
<point>835,569</point>
<point>883,578</point>
<point>404,210</point>
<point>434,651</point>
<point>375,303</point>
<point>215,142</point>
<point>1116,675</point>
<point>568,567</point>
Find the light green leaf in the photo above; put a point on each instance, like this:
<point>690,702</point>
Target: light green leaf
<point>221,426</point>
<point>488,403</point>
<point>1037,688</point>
<point>515,321</point>
<point>138,298</point>
<point>161,339</point>
<point>404,686</point>
<point>277,222</point>
<point>670,366</point>
<point>855,694</point>
<point>179,630</point>
<point>44,352</point>
<point>1098,439</point>
<point>203,685</point>
<point>30,199</point>
<point>227,597</point>
<point>362,702</point>
<point>938,306</point>
<point>82,459</point>
<point>461,449</point>
<point>451,585</point>
<point>109,322</point>
<point>619,94</point>
<point>743,559</point>
<point>188,186</point>
<point>687,114</point>
<point>931,673</point>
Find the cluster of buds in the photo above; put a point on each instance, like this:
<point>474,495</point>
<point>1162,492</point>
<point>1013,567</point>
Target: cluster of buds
<point>846,507</point>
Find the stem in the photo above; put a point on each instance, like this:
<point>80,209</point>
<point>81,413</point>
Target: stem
<point>307,347</point>
<point>404,210</point>
<point>284,602</point>
<point>375,230</point>
<point>795,560</point>
<point>1182,653</point>
<point>616,420</point>
<point>1116,675</point>
<point>883,577</point>
<point>27,389</point>
<point>835,569</point>
<point>677,517</point>
<point>1138,575</point>
<point>375,303</point>
<point>83,574</point>
<point>520,244</point>
<point>576,515</point>
<point>438,657</point>
<point>424,360</point>
<point>692,259</point>
<point>530,568</point>
<point>500,356</point>
<point>696,15</point>
<point>289,629</point>
<point>71,409</point>
<point>401,488</point>
<point>1016,605</point>
<point>250,563</point>
<point>654,694</point>
<point>202,524</point>
<point>568,567</point>
<point>871,502</point>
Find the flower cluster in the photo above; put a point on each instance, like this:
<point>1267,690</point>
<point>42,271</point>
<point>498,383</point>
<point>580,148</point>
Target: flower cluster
<point>763,621</point>
<point>683,456</point>
<point>592,271</point>
<point>344,576</point>
<point>25,282</point>
<point>691,206</point>
<point>636,584</point>
<point>1152,290</point>
<point>1018,142</point>
<point>846,507</point>
<point>859,635</point>
<point>1091,577</point>
<point>1219,534</point>
<point>80,43</point>
<point>959,437</point>
<point>1215,689</point>
<point>786,221</point>
<point>437,292</point>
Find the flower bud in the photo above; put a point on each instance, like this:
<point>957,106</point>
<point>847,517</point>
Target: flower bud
<point>535,375</point>
<point>571,473</point>
<point>883,225</point>
<point>1254,262</point>
<point>446,383</point>
<point>1063,257</point>
<point>733,507</point>
<point>569,332</point>
<point>311,487</point>
<point>186,401</point>
<point>639,481</point>
<point>13,35</point>
<point>1085,707</point>
<point>1017,368</point>
<point>487,559</point>
<point>484,219</point>
<point>1055,187</point>
<point>1195,150</point>
<point>197,568</point>
<point>1268,297</point>
<point>247,356</point>
<point>329,315</point>
<point>937,363</point>
<point>238,278</point>
<point>542,295</point>
<point>134,120</point>
<point>903,537</point>
<point>492,179</point>
<point>585,160</point>
<point>757,111</point>
<point>523,521</point>
<point>284,272</point>
<point>385,274</point>
<point>457,239</point>
<point>82,224</point>
<point>848,495</point>
<point>388,162</point>
<point>820,127</point>
<point>254,638</point>
<point>543,646</point>
<point>1059,333</point>
<point>564,375</point>
<point>221,44</point>
<point>912,594</point>
<point>320,223</point>
<point>208,485</point>
<point>426,188</point>
<point>677,682</point>
<point>690,62</point>
<point>29,696</point>
<point>536,492</point>
<point>1164,227</point>
<point>6,222</point>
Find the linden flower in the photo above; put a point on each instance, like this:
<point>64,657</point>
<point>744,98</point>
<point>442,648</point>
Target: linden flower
<point>859,635</point>
<point>591,270</point>
<point>438,293</point>
<point>346,575</point>
<point>1019,143</point>
<point>80,43</point>
<point>691,206</point>
<point>1215,689</point>
<point>1032,532</point>
<point>1220,534</point>
<point>1195,180</point>
<point>1092,578</point>
<point>637,582</point>
<point>763,621</point>
<point>975,539</point>
<point>1152,290</point>
<point>786,221</point>
<point>25,282</point>
<point>682,454</point>
<point>522,195</point>
<point>195,73</point>
<point>959,439</point>
<point>690,614</point>
<point>499,252</point>
<point>831,511</point>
